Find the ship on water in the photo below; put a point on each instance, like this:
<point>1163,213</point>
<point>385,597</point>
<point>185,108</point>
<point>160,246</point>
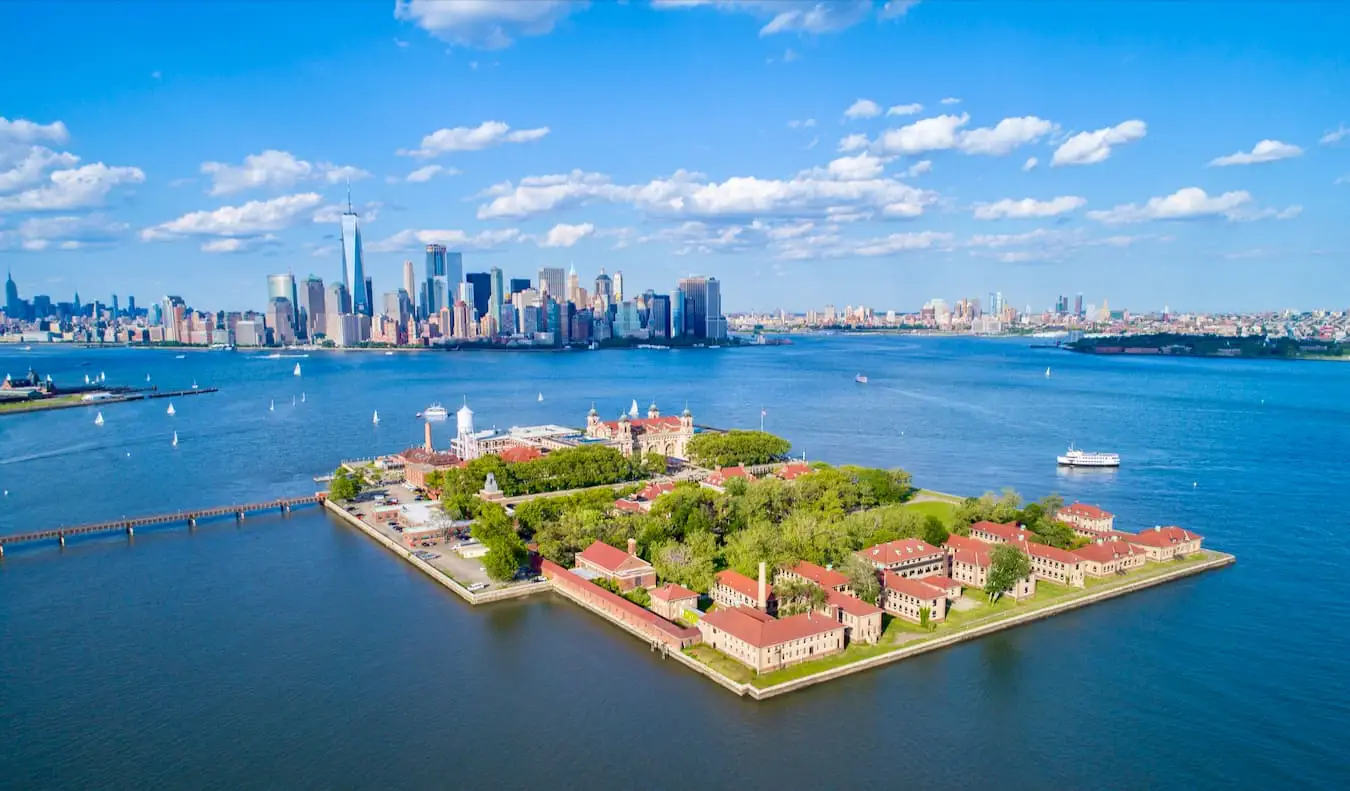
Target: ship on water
<point>1082,458</point>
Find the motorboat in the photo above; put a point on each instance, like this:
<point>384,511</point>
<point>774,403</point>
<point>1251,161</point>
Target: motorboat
<point>860,379</point>
<point>434,412</point>
<point>1082,458</point>
<point>376,419</point>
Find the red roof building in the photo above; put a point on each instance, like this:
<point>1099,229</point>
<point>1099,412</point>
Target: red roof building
<point>1086,520</point>
<point>718,478</point>
<point>793,470</point>
<point>945,584</point>
<point>904,597</point>
<point>671,600</point>
<point>997,533</point>
<point>733,589</point>
<point>617,608</point>
<point>1105,557</point>
<point>765,643</point>
<point>520,454</point>
<point>908,557</point>
<point>862,621</point>
<point>626,569</point>
<point>1167,543</point>
<point>641,502</point>
<point>829,579</point>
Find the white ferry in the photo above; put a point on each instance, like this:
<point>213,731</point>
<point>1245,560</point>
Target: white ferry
<point>1082,458</point>
<point>434,412</point>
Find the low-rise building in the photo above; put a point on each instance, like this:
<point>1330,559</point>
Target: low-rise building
<point>1086,520</point>
<point>997,532</point>
<point>1167,543</point>
<point>862,621</point>
<point>908,557</point>
<point>717,479</point>
<point>765,643</point>
<point>625,569</point>
<point>671,601</point>
<point>641,502</point>
<point>733,589</point>
<point>904,597</point>
<point>637,619</point>
<point>969,562</point>
<point>793,470</point>
<point>945,584</point>
<point>1048,563</point>
<point>827,578</point>
<point>1105,557</point>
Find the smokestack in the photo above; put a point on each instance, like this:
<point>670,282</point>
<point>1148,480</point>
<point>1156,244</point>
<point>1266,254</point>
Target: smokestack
<point>763,589</point>
<point>427,442</point>
<point>632,546</point>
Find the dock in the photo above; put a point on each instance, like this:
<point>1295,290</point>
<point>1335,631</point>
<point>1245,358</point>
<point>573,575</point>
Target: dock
<point>128,525</point>
<point>45,404</point>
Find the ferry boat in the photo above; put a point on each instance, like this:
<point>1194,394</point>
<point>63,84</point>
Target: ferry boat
<point>1082,458</point>
<point>434,412</point>
<point>860,379</point>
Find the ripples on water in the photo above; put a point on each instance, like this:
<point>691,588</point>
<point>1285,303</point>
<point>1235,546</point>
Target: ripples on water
<point>290,652</point>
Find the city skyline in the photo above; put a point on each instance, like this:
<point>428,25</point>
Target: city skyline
<point>1007,171</point>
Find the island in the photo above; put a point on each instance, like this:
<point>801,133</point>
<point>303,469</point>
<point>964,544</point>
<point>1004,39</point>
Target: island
<point>763,572</point>
<point>1245,346</point>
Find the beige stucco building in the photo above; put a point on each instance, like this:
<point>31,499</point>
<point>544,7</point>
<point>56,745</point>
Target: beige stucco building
<point>908,557</point>
<point>1107,556</point>
<point>1167,543</point>
<point>969,563</point>
<point>1048,563</point>
<point>765,643</point>
<point>671,601</point>
<point>734,589</point>
<point>1087,520</point>
<point>626,569</point>
<point>904,598</point>
<point>668,436</point>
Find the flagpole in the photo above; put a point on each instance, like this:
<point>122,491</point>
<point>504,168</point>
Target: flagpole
<point>761,420</point>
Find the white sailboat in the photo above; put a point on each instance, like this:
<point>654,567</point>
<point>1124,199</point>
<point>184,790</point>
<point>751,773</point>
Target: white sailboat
<point>541,398</point>
<point>194,384</point>
<point>633,410</point>
<point>376,419</point>
<point>302,398</point>
<point>147,377</point>
<point>98,420</point>
<point>1047,373</point>
<point>175,439</point>
<point>86,378</point>
<point>271,406</point>
<point>292,400</point>
<point>297,369</point>
<point>171,411</point>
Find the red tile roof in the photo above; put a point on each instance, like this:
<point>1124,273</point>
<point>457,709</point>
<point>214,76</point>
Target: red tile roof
<point>825,578</point>
<point>793,470</point>
<point>631,506</point>
<point>644,424</point>
<point>741,584</point>
<point>610,558</point>
<point>1089,511</point>
<point>1107,551</point>
<point>1164,537</point>
<point>655,490</point>
<point>939,581</point>
<point>420,455</point>
<point>1008,532</point>
<point>850,604</point>
<point>973,557</point>
<point>744,624</point>
<point>898,551</point>
<point>566,578</point>
<point>672,592</point>
<point>520,454</point>
<point>912,587</point>
<point>956,542</point>
<point>1047,552</point>
<point>721,475</point>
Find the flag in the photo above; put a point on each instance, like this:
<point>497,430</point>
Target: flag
<point>763,412</point>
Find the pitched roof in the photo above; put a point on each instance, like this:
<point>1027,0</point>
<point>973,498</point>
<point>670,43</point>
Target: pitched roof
<point>956,542</point>
<point>420,455</point>
<point>747,625</point>
<point>1047,552</point>
<point>555,572</point>
<point>741,583</point>
<point>1010,531</point>
<point>939,581</point>
<point>912,587</point>
<point>654,490</point>
<point>850,604</point>
<point>672,592</point>
<point>898,551</point>
<point>793,470</point>
<point>1164,537</point>
<point>610,558</point>
<point>1107,551</point>
<point>721,475</point>
<point>1089,511</point>
<point>973,557</point>
<point>520,453</point>
<point>825,578</point>
<point>647,424</point>
<point>631,506</point>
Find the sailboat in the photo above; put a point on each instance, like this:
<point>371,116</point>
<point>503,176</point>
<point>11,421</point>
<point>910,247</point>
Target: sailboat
<point>297,369</point>
<point>175,439</point>
<point>376,420</point>
<point>1047,373</point>
<point>633,410</point>
<point>271,406</point>
<point>86,378</point>
<point>302,398</point>
<point>541,398</point>
<point>171,411</point>
<point>194,384</point>
<point>98,420</point>
<point>147,377</point>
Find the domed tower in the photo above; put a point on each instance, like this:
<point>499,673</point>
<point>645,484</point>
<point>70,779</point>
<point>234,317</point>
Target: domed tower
<point>653,412</point>
<point>686,421</point>
<point>593,422</point>
<point>624,436</point>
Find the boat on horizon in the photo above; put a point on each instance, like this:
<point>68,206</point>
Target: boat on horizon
<point>271,406</point>
<point>860,379</point>
<point>179,356</point>
<point>1047,373</point>
<point>376,419</point>
<point>1082,458</point>
<point>302,398</point>
<point>541,398</point>
<point>297,369</point>
<point>98,420</point>
<point>194,384</point>
<point>171,411</point>
<point>175,439</point>
<point>434,412</point>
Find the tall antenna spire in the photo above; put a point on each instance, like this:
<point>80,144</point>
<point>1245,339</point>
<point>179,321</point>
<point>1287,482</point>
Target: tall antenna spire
<point>349,195</point>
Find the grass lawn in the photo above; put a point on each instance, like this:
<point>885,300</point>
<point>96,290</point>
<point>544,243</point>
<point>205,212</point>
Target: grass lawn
<point>951,498</point>
<point>942,510</point>
<point>35,404</point>
<point>720,662</point>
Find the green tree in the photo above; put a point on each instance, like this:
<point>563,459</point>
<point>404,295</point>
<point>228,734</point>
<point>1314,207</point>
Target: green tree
<point>798,596</point>
<point>737,447</point>
<point>934,531</point>
<point>862,577</point>
<point>344,486</point>
<point>689,563</point>
<point>504,559</point>
<point>924,613</point>
<point>1007,565</point>
<point>760,542</point>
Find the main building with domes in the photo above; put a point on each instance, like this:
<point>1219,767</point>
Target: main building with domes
<point>668,436</point>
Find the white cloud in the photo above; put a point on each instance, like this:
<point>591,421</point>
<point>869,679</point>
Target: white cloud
<point>564,235</point>
<point>789,55</point>
<point>805,123</point>
<point>476,138</point>
<point>919,168</point>
<point>62,232</point>
<point>854,142</point>
<point>1028,207</point>
<point>1089,148</point>
<point>29,169</point>
<point>72,189</point>
<point>854,168</point>
<point>863,108</point>
<point>400,43</point>
<point>811,17</point>
<point>251,219</point>
<point>23,131</point>
<point>1342,180</point>
<point>828,244</point>
<point>951,100</point>
<point>905,109</point>
<point>1335,136</point>
<point>814,142</point>
<point>944,132</point>
<point>274,169</point>
<point>1193,203</point>
<point>1264,151</point>
<point>331,214</point>
<point>1045,245</point>
<point>1007,135</point>
<point>485,24</point>
<point>931,134</point>
<point>425,174</point>
<point>459,240</point>
<point>1030,164</point>
<point>240,245</point>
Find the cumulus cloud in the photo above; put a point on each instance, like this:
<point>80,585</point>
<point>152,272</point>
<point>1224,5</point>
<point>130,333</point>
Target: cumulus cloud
<point>1028,207</point>
<point>1334,136</point>
<point>1264,151</point>
<point>29,166</point>
<point>919,168</point>
<point>62,233</point>
<point>1045,245</point>
<point>863,108</point>
<point>1193,203</point>
<point>904,109</point>
<point>829,244</point>
<point>23,131</point>
<point>412,239</point>
<point>76,188</point>
<point>425,174</point>
<point>1089,148</point>
<point>331,214</point>
<point>854,142</point>
<point>951,100</point>
<point>274,169</point>
<point>240,245</point>
<point>944,132</point>
<point>485,24</point>
<point>805,123</point>
<point>810,17</point>
<point>1030,164</point>
<point>564,235</point>
<point>476,138</point>
<point>251,219</point>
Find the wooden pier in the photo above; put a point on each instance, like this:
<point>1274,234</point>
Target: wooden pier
<point>129,525</point>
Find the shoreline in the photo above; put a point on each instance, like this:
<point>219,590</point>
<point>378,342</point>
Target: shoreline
<point>57,402</point>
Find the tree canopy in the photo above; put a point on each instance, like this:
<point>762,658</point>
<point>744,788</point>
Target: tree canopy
<point>737,447</point>
<point>1007,565</point>
<point>570,468</point>
<point>1037,516</point>
<point>344,486</point>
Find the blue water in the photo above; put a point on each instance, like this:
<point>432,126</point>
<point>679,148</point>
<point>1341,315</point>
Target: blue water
<point>293,653</point>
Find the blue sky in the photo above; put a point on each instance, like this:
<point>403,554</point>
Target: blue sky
<point>1191,154</point>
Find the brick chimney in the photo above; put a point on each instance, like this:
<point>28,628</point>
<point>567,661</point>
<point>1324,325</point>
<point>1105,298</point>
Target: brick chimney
<point>426,443</point>
<point>632,546</point>
<point>763,600</point>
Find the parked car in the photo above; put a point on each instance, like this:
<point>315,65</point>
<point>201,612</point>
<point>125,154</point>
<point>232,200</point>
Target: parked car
<point>477,586</point>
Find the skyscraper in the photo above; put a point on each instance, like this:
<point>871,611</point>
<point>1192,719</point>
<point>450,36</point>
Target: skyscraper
<point>573,286</point>
<point>482,291</point>
<point>115,310</point>
<point>716,328</point>
<point>131,306</point>
<point>658,315</point>
<point>353,266</point>
<point>409,281</point>
<point>498,295</point>
<point>14,307</point>
<point>552,281</point>
<point>618,286</point>
<point>339,301</point>
<point>1078,306</point>
<point>696,305</point>
<point>283,287</point>
<point>370,298</point>
<point>281,319</point>
<point>437,289</point>
<point>466,295</point>
<point>519,284</point>
<point>312,309</point>
<point>677,313</point>
<point>604,287</point>
<point>454,270</point>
